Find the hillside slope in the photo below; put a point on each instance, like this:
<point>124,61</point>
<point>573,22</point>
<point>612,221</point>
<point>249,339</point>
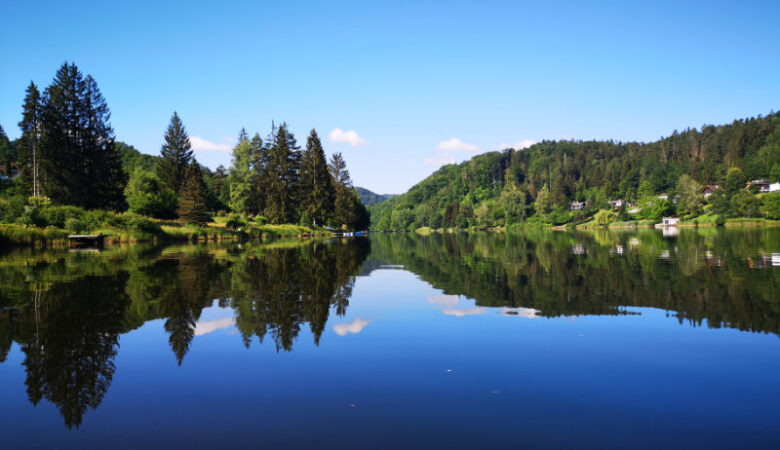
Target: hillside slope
<point>538,183</point>
<point>369,198</point>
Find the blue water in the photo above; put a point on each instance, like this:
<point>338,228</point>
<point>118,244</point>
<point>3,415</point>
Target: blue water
<point>410,366</point>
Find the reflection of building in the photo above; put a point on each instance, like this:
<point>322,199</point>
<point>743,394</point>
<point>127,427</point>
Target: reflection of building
<point>578,249</point>
<point>714,261</point>
<point>670,232</point>
<point>764,261</point>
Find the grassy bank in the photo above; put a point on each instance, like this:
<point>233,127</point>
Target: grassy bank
<point>15,235</point>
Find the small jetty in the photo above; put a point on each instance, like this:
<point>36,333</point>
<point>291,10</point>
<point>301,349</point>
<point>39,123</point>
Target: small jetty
<point>86,240</point>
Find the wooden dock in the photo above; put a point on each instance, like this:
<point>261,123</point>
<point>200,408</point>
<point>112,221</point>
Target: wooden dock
<point>90,240</point>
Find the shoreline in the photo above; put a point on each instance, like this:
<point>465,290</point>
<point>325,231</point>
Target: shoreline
<point>20,236</point>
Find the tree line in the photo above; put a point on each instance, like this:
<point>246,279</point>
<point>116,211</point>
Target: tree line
<point>68,153</point>
<point>539,183</point>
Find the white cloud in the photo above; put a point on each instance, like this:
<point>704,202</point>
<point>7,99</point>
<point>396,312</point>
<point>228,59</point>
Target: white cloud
<point>456,145</point>
<point>198,143</point>
<point>464,312</point>
<point>519,145</point>
<point>447,301</point>
<point>354,327</point>
<point>211,326</point>
<point>348,137</point>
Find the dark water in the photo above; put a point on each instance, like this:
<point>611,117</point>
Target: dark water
<point>553,340</point>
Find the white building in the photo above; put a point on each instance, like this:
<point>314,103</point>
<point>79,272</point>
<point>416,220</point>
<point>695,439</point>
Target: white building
<point>670,221</point>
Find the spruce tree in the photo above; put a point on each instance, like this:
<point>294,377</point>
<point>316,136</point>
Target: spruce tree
<point>7,152</point>
<point>343,205</point>
<point>176,155</point>
<point>79,162</point>
<point>282,178</point>
<point>29,148</point>
<point>317,190</point>
<point>192,197</point>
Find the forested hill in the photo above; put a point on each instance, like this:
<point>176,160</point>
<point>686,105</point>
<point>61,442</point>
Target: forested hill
<point>539,183</point>
<point>369,198</point>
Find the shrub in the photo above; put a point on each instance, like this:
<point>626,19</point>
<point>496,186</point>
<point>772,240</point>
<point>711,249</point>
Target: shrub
<point>135,222</point>
<point>74,225</point>
<point>57,216</point>
<point>234,222</point>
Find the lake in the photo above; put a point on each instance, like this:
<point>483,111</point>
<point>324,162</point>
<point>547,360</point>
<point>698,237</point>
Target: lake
<point>637,339</point>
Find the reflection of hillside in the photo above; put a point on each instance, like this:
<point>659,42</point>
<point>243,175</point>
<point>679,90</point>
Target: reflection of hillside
<point>67,310</point>
<point>698,275</point>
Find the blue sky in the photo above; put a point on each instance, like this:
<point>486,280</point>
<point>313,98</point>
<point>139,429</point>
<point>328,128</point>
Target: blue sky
<point>419,83</point>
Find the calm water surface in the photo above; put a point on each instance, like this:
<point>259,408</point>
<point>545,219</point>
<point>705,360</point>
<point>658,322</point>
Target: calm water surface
<point>552,340</point>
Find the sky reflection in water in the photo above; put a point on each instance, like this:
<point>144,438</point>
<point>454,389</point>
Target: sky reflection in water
<point>549,339</point>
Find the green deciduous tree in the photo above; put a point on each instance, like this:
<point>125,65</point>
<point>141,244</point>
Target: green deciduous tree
<point>691,197</point>
<point>745,204</point>
<point>735,181</point>
<point>543,203</point>
<point>771,206</point>
<point>176,155</point>
<point>242,177</point>
<point>147,195</point>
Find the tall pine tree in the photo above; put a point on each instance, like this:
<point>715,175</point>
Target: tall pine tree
<point>192,197</point>
<point>176,155</point>
<point>30,141</point>
<point>282,178</point>
<point>79,162</point>
<point>317,190</point>
<point>7,152</point>
<point>343,211</point>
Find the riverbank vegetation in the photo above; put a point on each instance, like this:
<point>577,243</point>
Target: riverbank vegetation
<point>698,175</point>
<point>67,174</point>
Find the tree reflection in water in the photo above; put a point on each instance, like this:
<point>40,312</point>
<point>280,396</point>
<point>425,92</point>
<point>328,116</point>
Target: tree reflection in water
<point>67,312</point>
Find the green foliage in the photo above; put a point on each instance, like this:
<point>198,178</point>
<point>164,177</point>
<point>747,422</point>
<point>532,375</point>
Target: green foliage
<point>147,195</point>
<point>691,199</point>
<point>554,173</point>
<point>241,178</point>
<point>369,198</point>
<point>192,199</point>
<point>745,204</point>
<point>604,217</point>
<point>771,206</point>
<point>318,192</point>
<point>235,222</point>
<point>79,162</point>
<point>281,178</point>
<point>543,203</point>
<point>176,155</point>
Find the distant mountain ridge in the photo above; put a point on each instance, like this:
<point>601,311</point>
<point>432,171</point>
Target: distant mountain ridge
<point>369,198</point>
